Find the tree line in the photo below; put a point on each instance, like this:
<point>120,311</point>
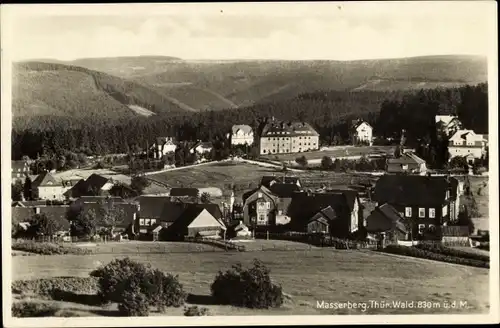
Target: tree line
<point>329,112</point>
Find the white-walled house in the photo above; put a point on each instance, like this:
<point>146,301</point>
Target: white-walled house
<point>45,186</point>
<point>449,124</point>
<point>362,132</point>
<point>164,145</point>
<point>466,143</point>
<point>201,148</point>
<point>241,135</point>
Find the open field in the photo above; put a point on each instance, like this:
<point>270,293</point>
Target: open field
<point>307,276</point>
<point>246,176</point>
<point>335,152</point>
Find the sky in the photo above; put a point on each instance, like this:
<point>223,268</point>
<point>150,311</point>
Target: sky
<point>289,31</point>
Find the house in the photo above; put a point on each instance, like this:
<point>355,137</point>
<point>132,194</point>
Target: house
<point>95,184</point>
<point>448,124</point>
<point>164,146</point>
<point>278,137</point>
<point>262,208</point>
<point>124,214</point>
<point>386,220</point>
<point>45,186</point>
<point>268,180</point>
<point>336,212</point>
<point>467,143</point>
<point>361,133</point>
<point>238,230</point>
<point>194,221</point>
<point>184,192</point>
<point>20,170</point>
<point>201,148</point>
<point>408,162</point>
<point>425,202</point>
<point>22,216</point>
<point>241,135</point>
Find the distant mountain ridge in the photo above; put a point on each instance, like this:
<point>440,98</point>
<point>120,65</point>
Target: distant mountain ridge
<point>107,87</point>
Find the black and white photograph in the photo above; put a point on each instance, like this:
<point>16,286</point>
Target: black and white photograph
<point>249,163</point>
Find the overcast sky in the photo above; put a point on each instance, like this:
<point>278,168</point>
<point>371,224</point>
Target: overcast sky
<point>341,31</point>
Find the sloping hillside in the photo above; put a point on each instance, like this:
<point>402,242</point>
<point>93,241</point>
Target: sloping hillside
<point>61,90</point>
<point>166,84</point>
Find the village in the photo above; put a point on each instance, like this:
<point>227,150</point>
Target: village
<point>403,204</point>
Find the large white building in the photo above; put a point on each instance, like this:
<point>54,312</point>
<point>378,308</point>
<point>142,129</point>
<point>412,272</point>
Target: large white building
<point>362,132</point>
<point>241,135</point>
<point>287,137</point>
<point>466,143</point>
<point>163,146</point>
<point>449,124</point>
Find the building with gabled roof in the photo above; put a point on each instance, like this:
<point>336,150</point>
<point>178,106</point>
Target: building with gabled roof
<point>45,186</point>
<point>361,132</point>
<point>164,146</point>
<point>279,137</point>
<point>195,221</point>
<point>466,143</point>
<point>268,180</point>
<point>386,219</point>
<point>201,147</point>
<point>448,124</point>
<point>241,135</point>
<point>408,162</point>
<point>184,192</point>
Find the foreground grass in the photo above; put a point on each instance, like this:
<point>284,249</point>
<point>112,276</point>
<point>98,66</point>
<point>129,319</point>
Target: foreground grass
<point>307,276</point>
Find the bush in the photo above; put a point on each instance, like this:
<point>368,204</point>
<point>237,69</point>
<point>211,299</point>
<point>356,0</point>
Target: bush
<point>421,253</point>
<point>44,248</point>
<point>46,287</point>
<point>440,249</point>
<point>121,278</point>
<point>250,288</point>
<point>194,311</point>
<point>32,309</point>
<point>484,245</point>
<point>134,303</point>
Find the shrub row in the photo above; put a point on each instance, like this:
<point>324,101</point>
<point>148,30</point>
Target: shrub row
<point>48,248</point>
<point>46,287</point>
<point>32,309</point>
<point>194,311</point>
<point>425,254</point>
<point>218,243</point>
<point>485,246</point>
<point>441,249</point>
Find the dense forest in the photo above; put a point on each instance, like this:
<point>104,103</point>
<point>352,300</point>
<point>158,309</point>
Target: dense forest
<point>328,111</point>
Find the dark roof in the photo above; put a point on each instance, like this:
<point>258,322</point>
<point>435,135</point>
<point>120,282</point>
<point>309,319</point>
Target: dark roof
<point>188,215</point>
<point>262,189</point>
<point>29,203</point>
<point>180,192</point>
<point>305,205</point>
<point>77,190</point>
<point>97,199</point>
<point>172,211</point>
<point>152,206</point>
<point>454,187</point>
<point>327,213</point>
<point>267,179</point>
<point>212,208</point>
<point>350,195</point>
<point>284,190</point>
<point>406,158</point>
<point>96,181</point>
<point>45,179</point>
<point>275,128</point>
<point>411,190</point>
<point>390,213</point>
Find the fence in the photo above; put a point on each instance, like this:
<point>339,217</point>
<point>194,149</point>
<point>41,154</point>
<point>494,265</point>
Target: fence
<point>228,246</point>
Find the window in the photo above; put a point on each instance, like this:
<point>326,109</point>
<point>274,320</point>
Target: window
<point>141,221</point>
<point>421,212</point>
<point>421,228</point>
<point>147,221</point>
<point>259,195</point>
<point>432,213</point>
<point>408,212</point>
<point>445,210</point>
<point>404,166</point>
<point>153,221</point>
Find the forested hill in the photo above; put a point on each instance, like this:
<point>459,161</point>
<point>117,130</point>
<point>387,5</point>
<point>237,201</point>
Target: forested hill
<point>328,111</point>
<point>52,89</point>
<point>166,84</point>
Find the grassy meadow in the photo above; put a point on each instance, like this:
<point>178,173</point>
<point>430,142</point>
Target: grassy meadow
<point>307,275</point>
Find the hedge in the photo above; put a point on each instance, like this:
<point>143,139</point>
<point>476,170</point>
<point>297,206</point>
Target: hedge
<point>44,248</point>
<point>47,286</point>
<point>425,254</point>
<point>441,249</point>
<point>31,309</point>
